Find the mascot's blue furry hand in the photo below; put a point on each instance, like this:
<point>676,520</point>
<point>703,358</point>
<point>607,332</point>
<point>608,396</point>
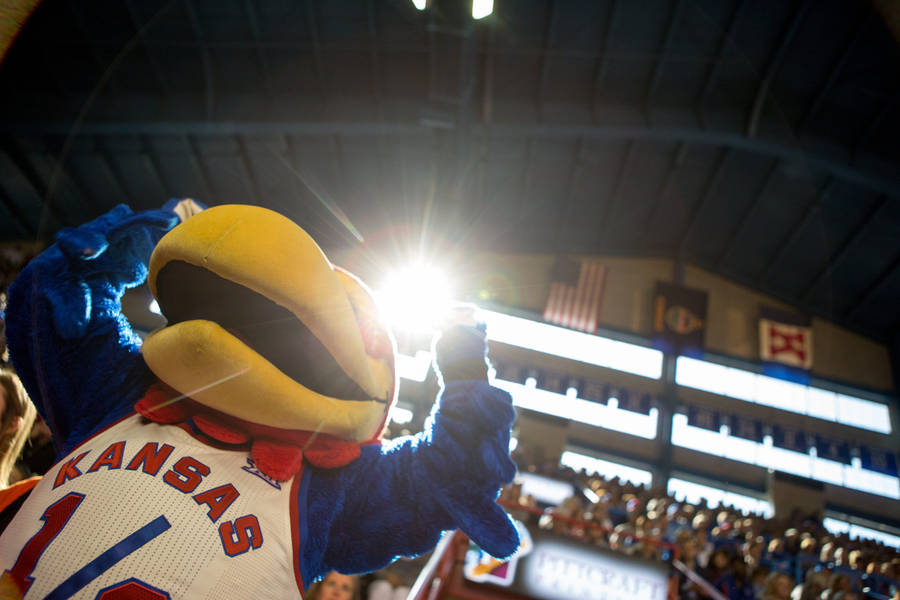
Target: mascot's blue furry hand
<point>101,259</point>
<point>460,351</point>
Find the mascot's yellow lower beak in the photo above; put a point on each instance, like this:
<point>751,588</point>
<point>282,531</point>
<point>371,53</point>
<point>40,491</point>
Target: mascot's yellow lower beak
<point>263,328</point>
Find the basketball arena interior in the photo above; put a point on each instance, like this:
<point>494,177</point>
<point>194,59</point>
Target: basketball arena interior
<point>678,220</point>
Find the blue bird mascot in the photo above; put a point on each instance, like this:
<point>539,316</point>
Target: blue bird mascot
<point>236,452</point>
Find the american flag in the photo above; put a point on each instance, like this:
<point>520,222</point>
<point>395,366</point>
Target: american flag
<point>576,294</point>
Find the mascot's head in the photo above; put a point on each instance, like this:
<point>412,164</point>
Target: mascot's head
<point>261,327</point>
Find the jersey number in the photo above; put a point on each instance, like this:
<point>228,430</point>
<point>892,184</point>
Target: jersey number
<point>55,519</point>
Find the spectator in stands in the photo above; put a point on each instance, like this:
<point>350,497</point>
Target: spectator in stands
<point>17,414</point>
<point>778,587</point>
<point>335,586</point>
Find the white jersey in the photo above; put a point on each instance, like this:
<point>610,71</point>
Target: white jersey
<point>143,510</point>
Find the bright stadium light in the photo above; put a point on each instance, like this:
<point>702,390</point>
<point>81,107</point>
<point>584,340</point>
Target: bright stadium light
<point>415,297</point>
<point>482,8</point>
<point>420,4</point>
<point>154,307</point>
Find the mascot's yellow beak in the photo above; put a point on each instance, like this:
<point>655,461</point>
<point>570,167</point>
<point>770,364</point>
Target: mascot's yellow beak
<point>263,328</point>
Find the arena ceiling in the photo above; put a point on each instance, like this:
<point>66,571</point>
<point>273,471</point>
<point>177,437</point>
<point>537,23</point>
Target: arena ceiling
<point>754,139</point>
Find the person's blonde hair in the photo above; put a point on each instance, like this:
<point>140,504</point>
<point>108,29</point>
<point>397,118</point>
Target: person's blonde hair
<point>18,405</point>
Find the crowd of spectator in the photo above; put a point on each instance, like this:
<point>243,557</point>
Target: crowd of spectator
<point>743,556</point>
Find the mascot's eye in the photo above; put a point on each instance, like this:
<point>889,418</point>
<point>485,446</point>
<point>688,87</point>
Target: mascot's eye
<point>375,338</point>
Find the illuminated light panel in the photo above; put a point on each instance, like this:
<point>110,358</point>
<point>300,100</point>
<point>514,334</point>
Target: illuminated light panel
<point>482,8</point>
<point>571,344</point>
<point>837,526</point>
<point>768,456</point>
<point>784,395</point>
<point>414,368</point>
<point>545,489</point>
<point>604,468</point>
<point>420,4</point>
<point>689,491</point>
<point>583,411</point>
<point>154,307</point>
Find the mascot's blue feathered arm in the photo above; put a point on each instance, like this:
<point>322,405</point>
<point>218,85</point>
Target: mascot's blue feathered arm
<point>68,340</point>
<point>397,499</point>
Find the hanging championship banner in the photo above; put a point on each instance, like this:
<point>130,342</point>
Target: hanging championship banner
<point>785,340</point>
<point>679,319</point>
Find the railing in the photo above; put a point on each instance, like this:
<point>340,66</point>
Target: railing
<point>442,574</point>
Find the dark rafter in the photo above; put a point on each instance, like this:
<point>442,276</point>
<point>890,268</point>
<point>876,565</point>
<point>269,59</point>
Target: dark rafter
<point>158,72</point>
<point>112,165</point>
<point>36,184</point>
<point>18,218</point>
<point>615,198</point>
<point>573,183</point>
<point>737,231</point>
<point>195,157</point>
<point>151,158</point>
<point>99,61</point>
<point>549,40</point>
<point>888,106</point>
<point>877,285</point>
<point>375,58</point>
<point>835,71</point>
<point>708,192</point>
<point>716,62</point>
<point>249,173</point>
<point>762,91</point>
<point>204,57</point>
<point>665,188</point>
<point>838,255</point>
<point>253,22</point>
<point>602,60</point>
<point>661,57</point>
<point>809,214</point>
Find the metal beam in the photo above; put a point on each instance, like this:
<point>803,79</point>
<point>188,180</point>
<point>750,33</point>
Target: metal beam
<point>18,218</point>
<point>716,64</point>
<point>662,54</point>
<point>572,184</point>
<point>841,253</point>
<point>374,57</point>
<point>697,207</point>
<point>109,161</point>
<point>878,284</point>
<point>545,55</point>
<point>253,22</point>
<point>196,159</point>
<point>253,185</point>
<point>738,230</point>
<point>204,57</point>
<point>665,188</point>
<point>312,24</point>
<point>784,151</point>
<point>835,71</point>
<point>487,101</point>
<point>610,209</point>
<point>152,160</point>
<point>811,211</point>
<point>762,91</point>
<point>603,56</point>
<point>158,71</point>
<point>888,106</point>
<point>39,189</point>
